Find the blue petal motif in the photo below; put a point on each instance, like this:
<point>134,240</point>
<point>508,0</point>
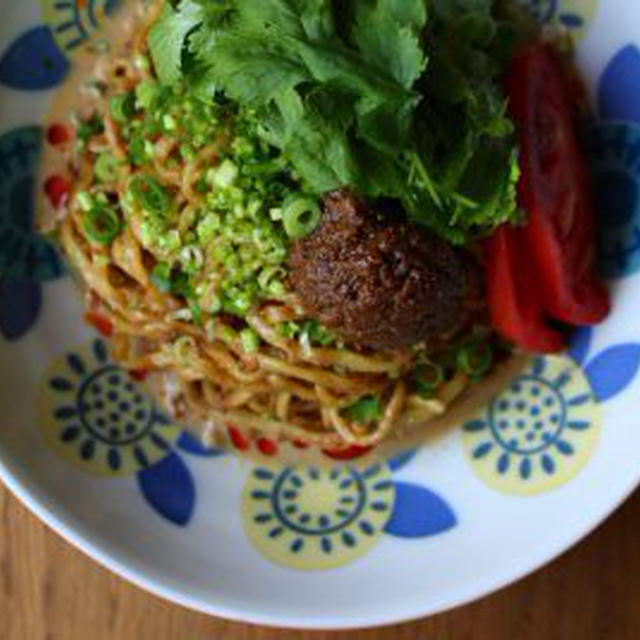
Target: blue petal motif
<point>169,488</point>
<point>23,253</point>
<point>580,344</point>
<point>419,512</point>
<point>192,445</point>
<point>618,96</point>
<point>20,304</point>
<point>33,62</point>
<point>613,370</point>
<point>402,459</point>
<point>571,20</point>
<point>616,180</point>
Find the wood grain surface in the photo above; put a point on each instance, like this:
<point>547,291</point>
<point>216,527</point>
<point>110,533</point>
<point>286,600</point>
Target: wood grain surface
<point>50,591</point>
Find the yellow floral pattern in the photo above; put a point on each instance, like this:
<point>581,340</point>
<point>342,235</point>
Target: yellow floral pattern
<point>538,433</point>
<point>312,518</point>
<point>95,415</point>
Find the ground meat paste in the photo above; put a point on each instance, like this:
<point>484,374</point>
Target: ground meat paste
<point>379,281</point>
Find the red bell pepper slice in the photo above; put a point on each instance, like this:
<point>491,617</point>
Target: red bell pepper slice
<point>515,301</point>
<point>555,189</point>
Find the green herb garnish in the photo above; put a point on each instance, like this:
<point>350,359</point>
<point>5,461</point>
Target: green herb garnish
<point>395,98</point>
<point>123,107</point>
<point>365,411</point>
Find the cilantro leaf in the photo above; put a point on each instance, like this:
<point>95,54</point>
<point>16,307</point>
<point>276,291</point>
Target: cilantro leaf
<point>395,98</point>
<point>167,39</point>
<point>387,33</point>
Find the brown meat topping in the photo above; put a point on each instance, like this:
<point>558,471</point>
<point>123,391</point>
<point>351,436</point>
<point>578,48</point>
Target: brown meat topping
<point>381,283</point>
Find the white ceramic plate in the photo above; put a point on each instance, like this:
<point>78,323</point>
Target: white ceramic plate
<point>83,446</point>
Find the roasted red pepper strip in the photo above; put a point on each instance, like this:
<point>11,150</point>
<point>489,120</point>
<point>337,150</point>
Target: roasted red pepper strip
<point>517,310</point>
<point>555,189</point>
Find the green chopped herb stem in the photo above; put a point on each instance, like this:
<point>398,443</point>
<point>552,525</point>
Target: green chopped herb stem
<point>300,217</point>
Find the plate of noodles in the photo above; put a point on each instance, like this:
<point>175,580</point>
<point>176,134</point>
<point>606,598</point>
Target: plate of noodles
<point>320,314</point>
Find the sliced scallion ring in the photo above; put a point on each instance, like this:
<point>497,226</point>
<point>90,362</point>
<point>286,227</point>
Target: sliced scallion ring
<point>300,217</point>
<point>102,224</point>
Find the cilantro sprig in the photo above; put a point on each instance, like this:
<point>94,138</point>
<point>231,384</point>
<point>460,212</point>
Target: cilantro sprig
<point>394,98</point>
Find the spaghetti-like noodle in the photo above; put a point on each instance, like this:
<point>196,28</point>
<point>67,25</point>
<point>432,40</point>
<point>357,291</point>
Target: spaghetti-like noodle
<point>285,386</point>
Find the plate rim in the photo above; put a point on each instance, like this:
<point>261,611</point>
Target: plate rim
<point>35,499</point>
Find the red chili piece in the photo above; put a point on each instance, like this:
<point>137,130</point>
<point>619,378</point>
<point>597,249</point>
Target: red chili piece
<point>267,447</point>
<point>57,189</point>
<point>58,134</point>
<point>238,439</point>
<point>139,375</point>
<point>100,323</point>
<point>348,453</point>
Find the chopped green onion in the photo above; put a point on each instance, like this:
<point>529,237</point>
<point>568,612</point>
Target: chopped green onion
<point>227,334</point>
<point>289,329</point>
<point>250,340</point>
<point>106,168</point>
<point>181,285</point>
<point>300,217</point>
<point>269,276</point>
<point>168,279</point>
<point>85,201</point>
<point>151,195</point>
<point>142,62</point>
<point>428,378</point>
<point>89,128</point>
<point>196,312</point>
<point>138,150</point>
<point>224,175</point>
<point>365,410</point>
<point>123,107</point>
<point>161,277</point>
<point>169,122</point>
<point>238,301</point>
<point>318,334</point>
<point>102,224</point>
<point>475,359</point>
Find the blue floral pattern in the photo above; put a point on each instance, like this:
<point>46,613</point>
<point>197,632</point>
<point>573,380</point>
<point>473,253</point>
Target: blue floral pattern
<point>313,518</point>
<point>574,15</point>
<point>99,417</point>
<point>541,431</point>
<point>39,59</point>
<point>26,258</point>
<point>616,151</point>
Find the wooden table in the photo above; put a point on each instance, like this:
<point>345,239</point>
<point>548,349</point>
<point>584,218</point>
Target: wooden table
<point>50,591</point>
